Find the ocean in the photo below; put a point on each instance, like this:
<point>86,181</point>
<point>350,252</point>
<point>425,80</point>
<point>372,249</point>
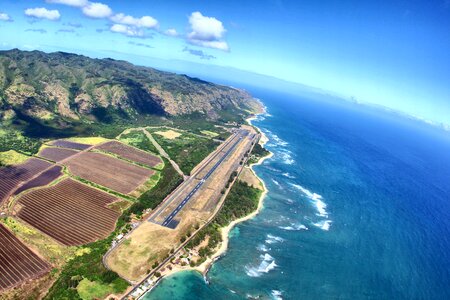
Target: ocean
<point>358,208</point>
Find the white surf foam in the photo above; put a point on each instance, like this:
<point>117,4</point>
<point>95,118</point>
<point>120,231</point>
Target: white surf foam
<point>316,198</point>
<point>288,175</point>
<point>262,248</point>
<point>276,139</point>
<point>286,157</point>
<point>272,239</point>
<point>276,182</point>
<point>267,264</point>
<point>294,227</point>
<point>277,294</point>
<point>324,225</point>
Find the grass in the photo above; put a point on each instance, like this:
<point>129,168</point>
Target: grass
<point>188,150</point>
<point>209,133</point>
<point>12,157</point>
<point>89,290</point>
<point>149,184</point>
<point>169,180</point>
<point>89,266</point>
<point>52,251</point>
<point>88,140</point>
<point>139,140</point>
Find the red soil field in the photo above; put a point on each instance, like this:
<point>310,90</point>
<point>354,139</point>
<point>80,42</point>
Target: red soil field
<point>56,154</point>
<point>43,179</point>
<point>108,171</point>
<point>71,145</point>
<point>70,212</point>
<point>130,153</point>
<point>11,177</point>
<point>17,263</point>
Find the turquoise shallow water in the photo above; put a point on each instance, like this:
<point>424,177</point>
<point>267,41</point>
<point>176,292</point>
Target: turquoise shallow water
<point>358,208</point>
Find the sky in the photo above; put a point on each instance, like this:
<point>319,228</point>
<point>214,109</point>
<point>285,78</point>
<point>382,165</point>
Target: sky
<point>392,53</point>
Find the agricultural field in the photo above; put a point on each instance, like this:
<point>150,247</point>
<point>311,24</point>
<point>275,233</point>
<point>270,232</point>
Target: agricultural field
<point>70,212</point>
<point>17,263</point>
<point>56,154</point>
<point>187,149</point>
<point>70,145</point>
<point>108,171</point>
<point>130,153</point>
<point>11,177</point>
<point>43,179</point>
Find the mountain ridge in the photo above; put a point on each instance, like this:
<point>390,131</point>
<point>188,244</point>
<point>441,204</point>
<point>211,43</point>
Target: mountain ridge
<point>68,87</point>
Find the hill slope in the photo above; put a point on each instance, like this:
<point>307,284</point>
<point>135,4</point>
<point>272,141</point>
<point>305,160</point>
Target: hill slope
<point>67,88</point>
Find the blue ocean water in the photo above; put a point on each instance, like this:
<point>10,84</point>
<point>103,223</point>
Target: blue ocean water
<point>358,208</point>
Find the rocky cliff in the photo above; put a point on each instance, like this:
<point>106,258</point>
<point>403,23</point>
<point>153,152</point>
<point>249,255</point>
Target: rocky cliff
<point>64,86</point>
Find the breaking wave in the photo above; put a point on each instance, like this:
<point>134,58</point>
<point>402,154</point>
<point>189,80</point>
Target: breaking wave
<point>324,225</point>
<point>276,183</point>
<point>276,139</point>
<point>272,239</point>
<point>286,157</point>
<point>316,198</point>
<point>267,264</point>
<point>294,227</point>
<point>262,248</point>
<point>277,294</point>
<point>288,175</point>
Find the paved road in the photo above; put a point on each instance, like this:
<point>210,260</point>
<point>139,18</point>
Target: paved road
<point>168,220</point>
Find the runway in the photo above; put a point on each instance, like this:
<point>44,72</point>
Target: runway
<point>169,220</point>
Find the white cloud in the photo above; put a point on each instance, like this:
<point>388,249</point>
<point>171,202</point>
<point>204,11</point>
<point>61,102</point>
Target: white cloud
<point>171,32</point>
<point>43,13</point>
<point>207,32</point>
<point>5,17</point>
<point>97,10</point>
<point>221,45</point>
<point>76,3</point>
<point>127,30</point>
<point>145,21</point>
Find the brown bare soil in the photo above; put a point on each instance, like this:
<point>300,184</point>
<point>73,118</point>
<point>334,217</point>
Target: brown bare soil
<point>56,154</point>
<point>150,242</point>
<point>108,171</point>
<point>42,179</point>
<point>11,177</point>
<point>130,153</point>
<point>248,176</point>
<point>70,212</point>
<point>18,264</point>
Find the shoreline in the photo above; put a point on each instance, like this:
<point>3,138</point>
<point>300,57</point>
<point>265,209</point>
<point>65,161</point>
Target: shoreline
<point>225,231</point>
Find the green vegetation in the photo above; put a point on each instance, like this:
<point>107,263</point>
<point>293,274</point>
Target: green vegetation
<point>139,140</point>
<point>209,133</point>
<point>12,157</point>
<point>89,266</point>
<point>11,139</point>
<point>187,150</point>
<point>240,202</point>
<point>88,290</point>
<point>257,153</point>
<point>169,180</point>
